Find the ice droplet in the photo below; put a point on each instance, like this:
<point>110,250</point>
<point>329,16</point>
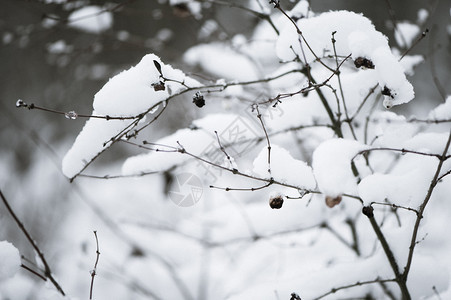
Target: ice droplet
<point>20,103</point>
<point>72,115</point>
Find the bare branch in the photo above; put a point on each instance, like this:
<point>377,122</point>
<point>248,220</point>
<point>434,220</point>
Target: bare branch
<point>48,271</point>
<point>434,181</point>
<point>94,270</point>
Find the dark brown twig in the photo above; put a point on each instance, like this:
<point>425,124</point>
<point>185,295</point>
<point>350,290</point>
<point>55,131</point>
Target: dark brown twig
<point>94,270</point>
<point>358,283</point>
<point>416,227</point>
<point>47,271</point>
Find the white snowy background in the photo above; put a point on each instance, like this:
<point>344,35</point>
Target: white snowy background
<point>231,244</point>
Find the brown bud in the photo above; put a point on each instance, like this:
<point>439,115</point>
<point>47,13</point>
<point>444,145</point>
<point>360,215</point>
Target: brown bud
<point>332,201</point>
<point>159,86</point>
<point>363,62</point>
<point>276,202</point>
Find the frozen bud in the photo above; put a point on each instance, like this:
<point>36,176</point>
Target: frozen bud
<point>159,86</point>
<point>72,115</point>
<point>276,202</point>
<point>198,99</point>
<point>332,201</point>
<point>363,62</point>
<point>20,103</point>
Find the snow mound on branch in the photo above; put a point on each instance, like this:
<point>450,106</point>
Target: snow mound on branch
<point>405,190</point>
<point>284,168</point>
<point>9,260</point>
<point>441,112</point>
<point>355,35</point>
<point>92,19</point>
<point>332,166</point>
<point>128,94</point>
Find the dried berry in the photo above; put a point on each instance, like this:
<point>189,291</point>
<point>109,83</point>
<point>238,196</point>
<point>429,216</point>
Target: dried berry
<point>276,202</point>
<point>332,201</point>
<point>363,62</point>
<point>159,86</point>
<point>198,99</point>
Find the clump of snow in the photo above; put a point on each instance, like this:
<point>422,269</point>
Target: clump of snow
<point>409,62</point>
<point>428,142</point>
<point>222,61</point>
<point>59,47</point>
<point>441,112</point>
<point>318,33</point>
<point>332,166</point>
<point>356,36</point>
<point>406,189</point>
<point>391,78</point>
<point>207,29</point>
<point>92,19</point>
<point>284,168</point>
<point>422,15</point>
<point>128,94</point>
<point>405,33</point>
<point>9,260</point>
<point>391,129</point>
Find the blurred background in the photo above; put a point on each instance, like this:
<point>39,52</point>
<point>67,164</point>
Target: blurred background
<point>45,59</point>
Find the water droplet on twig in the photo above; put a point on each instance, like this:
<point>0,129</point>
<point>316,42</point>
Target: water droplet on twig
<point>20,103</point>
<point>72,115</point>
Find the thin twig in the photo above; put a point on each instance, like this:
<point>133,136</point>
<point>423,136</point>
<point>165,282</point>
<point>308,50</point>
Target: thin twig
<point>434,181</point>
<point>396,206</point>
<point>94,270</point>
<point>48,272</point>
<point>402,150</point>
<point>33,272</point>
<point>259,116</point>
<point>358,283</point>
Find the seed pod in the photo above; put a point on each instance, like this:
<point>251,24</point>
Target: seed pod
<point>332,201</point>
<point>159,86</point>
<point>276,202</point>
<point>198,99</point>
